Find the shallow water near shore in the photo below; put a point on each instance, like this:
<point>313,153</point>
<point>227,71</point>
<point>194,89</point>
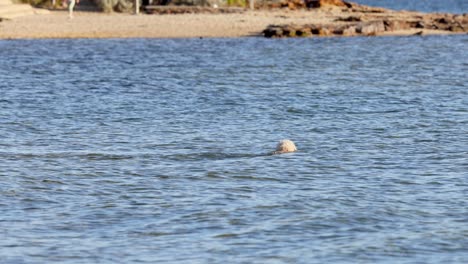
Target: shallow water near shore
<point>150,151</point>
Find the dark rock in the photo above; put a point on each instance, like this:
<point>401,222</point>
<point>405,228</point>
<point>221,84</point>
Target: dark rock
<point>315,31</point>
<point>304,32</point>
<point>338,31</point>
<point>273,31</point>
<point>288,31</point>
<point>349,19</point>
<point>324,32</point>
<point>419,24</point>
<point>443,20</point>
<point>320,30</point>
<point>322,3</point>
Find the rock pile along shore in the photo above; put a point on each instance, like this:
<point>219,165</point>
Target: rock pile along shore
<point>352,19</point>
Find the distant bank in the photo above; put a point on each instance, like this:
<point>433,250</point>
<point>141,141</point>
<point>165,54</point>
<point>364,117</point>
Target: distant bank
<point>291,19</point>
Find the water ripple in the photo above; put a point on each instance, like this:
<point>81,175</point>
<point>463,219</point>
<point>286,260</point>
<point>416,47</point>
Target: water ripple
<point>116,151</point>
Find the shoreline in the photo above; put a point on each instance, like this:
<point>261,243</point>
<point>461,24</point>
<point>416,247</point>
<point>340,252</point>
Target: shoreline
<point>248,23</point>
<point>116,25</point>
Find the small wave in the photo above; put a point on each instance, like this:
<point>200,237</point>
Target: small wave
<point>153,234</point>
<point>48,181</point>
<point>97,156</point>
<point>255,178</point>
<point>65,155</point>
<point>5,101</point>
<point>376,112</point>
<point>211,156</point>
<point>226,235</point>
<point>105,156</point>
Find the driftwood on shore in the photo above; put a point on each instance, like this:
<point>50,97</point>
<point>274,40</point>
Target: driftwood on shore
<point>355,20</point>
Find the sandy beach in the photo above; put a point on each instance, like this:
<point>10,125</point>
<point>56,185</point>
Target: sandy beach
<point>56,24</point>
<point>100,25</point>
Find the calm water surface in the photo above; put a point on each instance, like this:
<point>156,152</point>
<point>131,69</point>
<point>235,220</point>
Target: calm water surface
<point>452,6</point>
<point>153,151</point>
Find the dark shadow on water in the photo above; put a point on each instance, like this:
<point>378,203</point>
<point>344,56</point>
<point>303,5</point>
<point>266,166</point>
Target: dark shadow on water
<point>102,156</point>
<point>221,156</point>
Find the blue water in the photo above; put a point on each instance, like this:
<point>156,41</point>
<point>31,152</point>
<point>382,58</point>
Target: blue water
<point>451,6</point>
<point>158,151</point>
